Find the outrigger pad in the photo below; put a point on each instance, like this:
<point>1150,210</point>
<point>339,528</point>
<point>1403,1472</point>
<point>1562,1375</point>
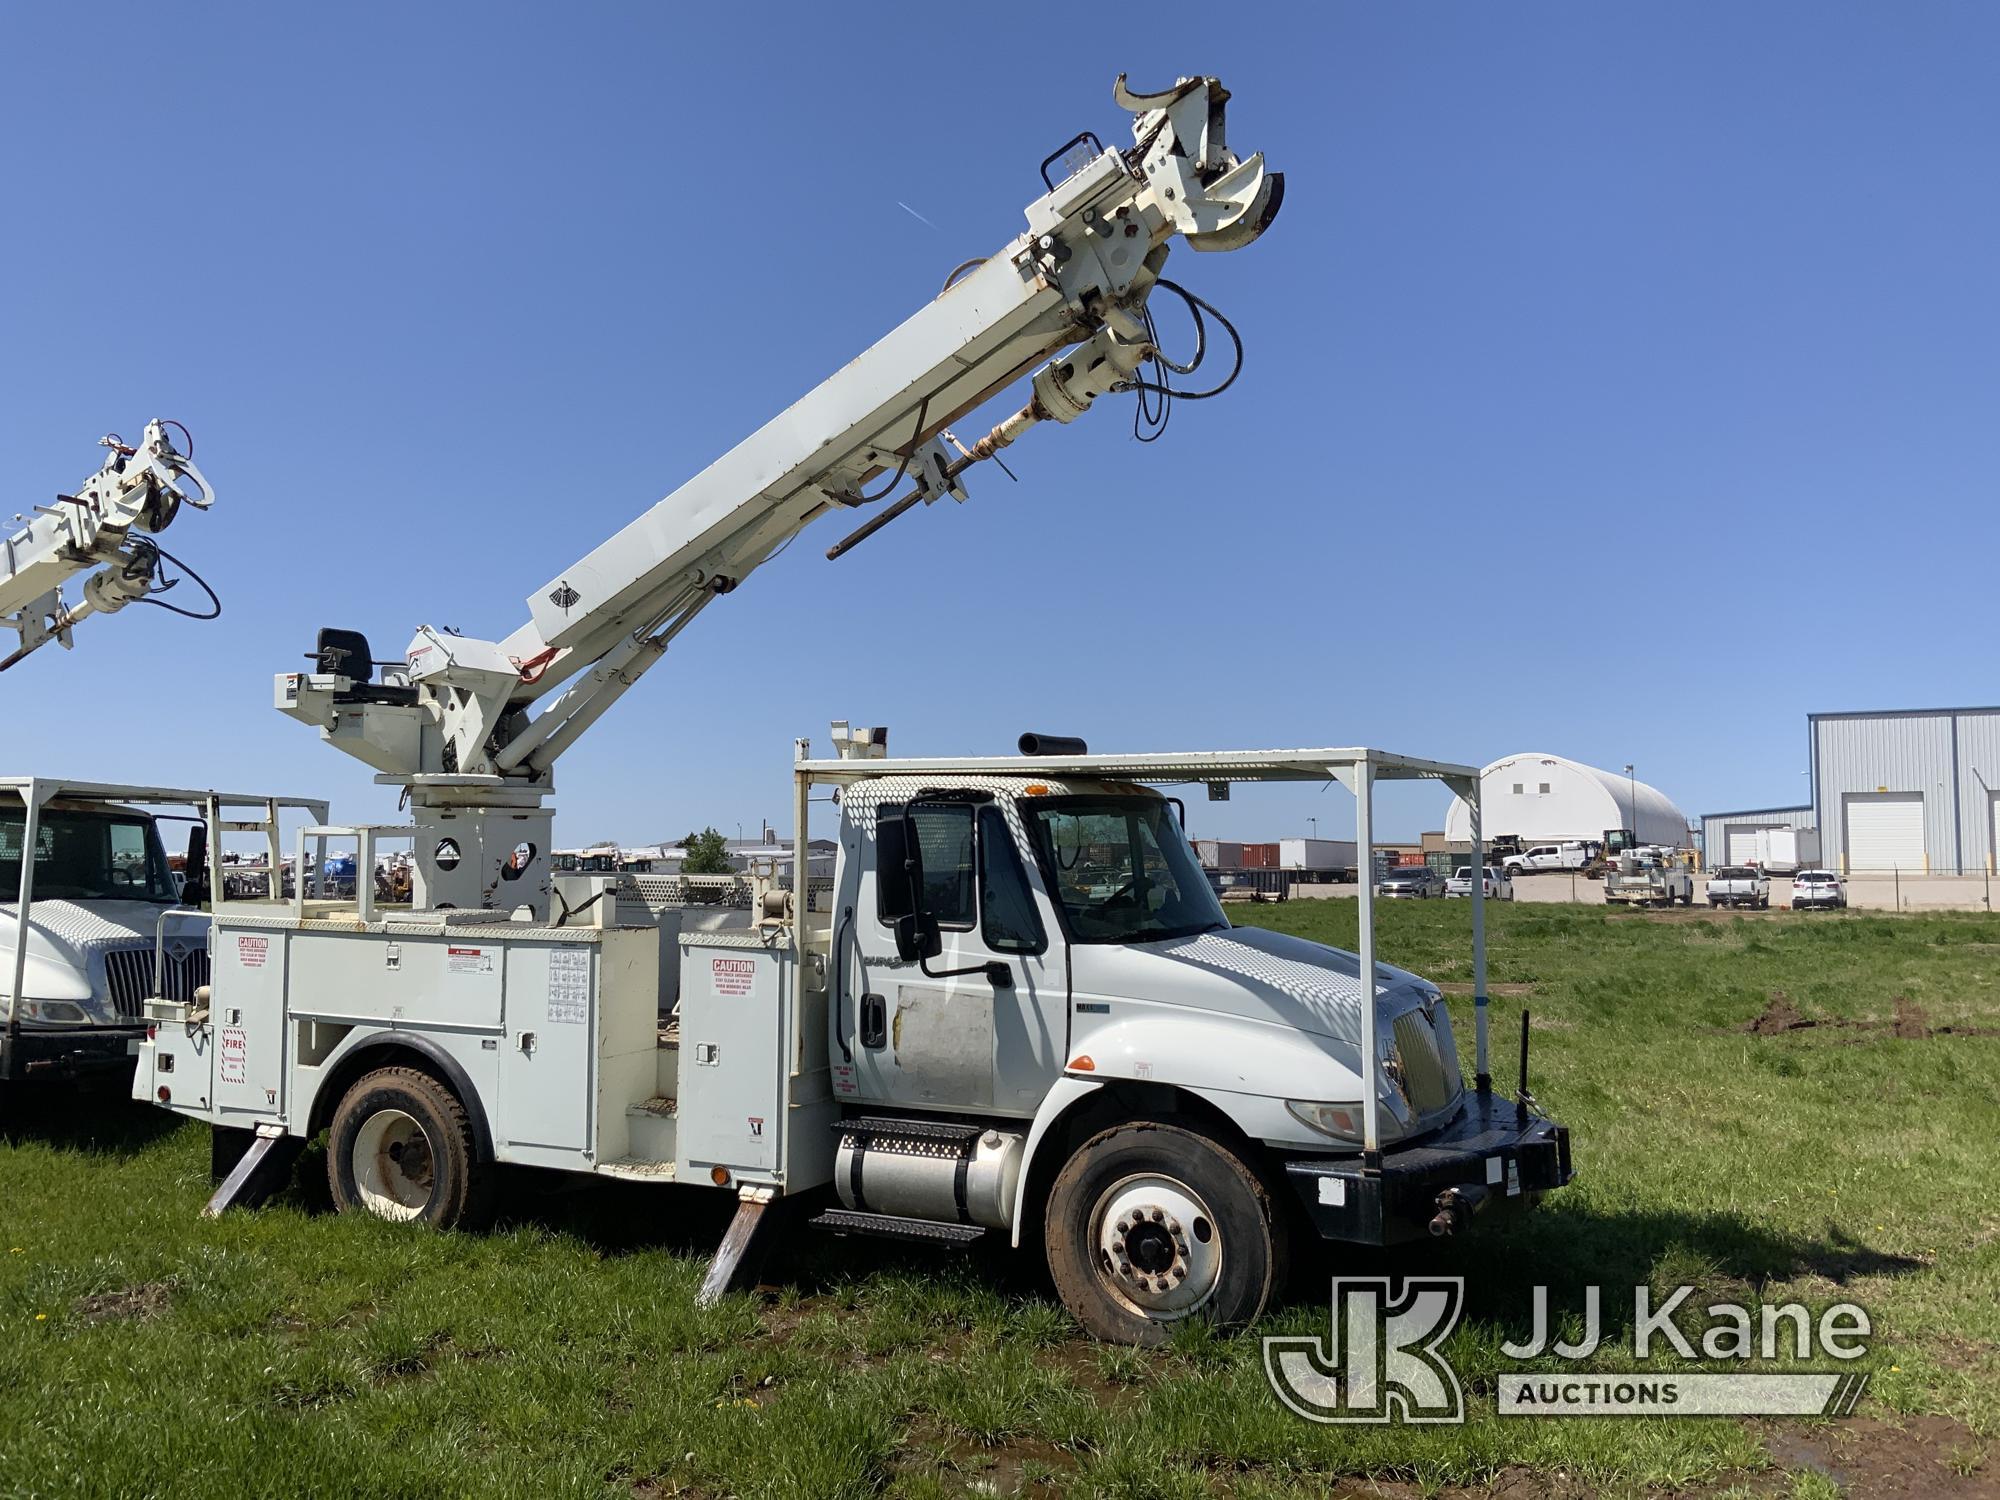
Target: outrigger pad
<point>258,1173</point>
<point>741,1252</point>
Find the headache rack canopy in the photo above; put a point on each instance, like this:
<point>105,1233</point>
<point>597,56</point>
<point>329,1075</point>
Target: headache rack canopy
<point>210,808</point>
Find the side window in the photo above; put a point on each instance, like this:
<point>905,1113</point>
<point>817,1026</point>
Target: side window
<point>1009,921</point>
<point>944,837</point>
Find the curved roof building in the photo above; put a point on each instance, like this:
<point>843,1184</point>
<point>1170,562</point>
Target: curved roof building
<point>1546,799</point>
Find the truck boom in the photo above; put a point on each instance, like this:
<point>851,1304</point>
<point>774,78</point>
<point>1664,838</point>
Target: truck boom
<point>107,525</point>
<point>473,727</point>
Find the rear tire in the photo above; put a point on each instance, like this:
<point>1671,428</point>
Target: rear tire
<point>1149,1225</point>
<point>402,1148</point>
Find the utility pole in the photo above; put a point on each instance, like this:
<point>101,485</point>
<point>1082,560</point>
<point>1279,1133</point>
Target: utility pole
<point>1632,806</point>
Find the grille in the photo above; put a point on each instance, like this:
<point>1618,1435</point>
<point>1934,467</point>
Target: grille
<point>1424,1081</point>
<point>129,972</point>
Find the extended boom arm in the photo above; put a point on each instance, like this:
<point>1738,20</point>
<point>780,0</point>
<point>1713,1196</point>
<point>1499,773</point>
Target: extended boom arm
<point>458,721</point>
<point>140,489</point>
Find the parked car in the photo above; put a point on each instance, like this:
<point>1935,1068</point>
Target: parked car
<point>1498,886</point>
<point>1818,889</point>
<point>1571,856</point>
<point>1411,883</point>
<point>1739,885</point>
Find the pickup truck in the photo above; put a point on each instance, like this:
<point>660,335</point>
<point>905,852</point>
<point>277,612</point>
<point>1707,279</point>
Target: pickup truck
<point>1497,886</point>
<point>1557,857</point>
<point>1739,885</point>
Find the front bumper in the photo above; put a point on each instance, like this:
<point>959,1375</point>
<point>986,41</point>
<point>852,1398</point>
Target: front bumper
<point>1491,1152</point>
<point>67,1052</point>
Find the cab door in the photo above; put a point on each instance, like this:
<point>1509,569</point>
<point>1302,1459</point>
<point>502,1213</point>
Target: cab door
<point>951,1033</point>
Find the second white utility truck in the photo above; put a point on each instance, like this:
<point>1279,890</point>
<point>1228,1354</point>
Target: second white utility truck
<point>1019,1008</point>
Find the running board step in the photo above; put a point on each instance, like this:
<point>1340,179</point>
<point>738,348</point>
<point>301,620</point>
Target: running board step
<point>909,1129</point>
<point>890,1226</point>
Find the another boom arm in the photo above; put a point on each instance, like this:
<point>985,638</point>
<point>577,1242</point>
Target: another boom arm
<point>139,490</point>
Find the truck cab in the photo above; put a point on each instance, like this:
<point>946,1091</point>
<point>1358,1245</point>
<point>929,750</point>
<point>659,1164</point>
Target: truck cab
<point>103,896</point>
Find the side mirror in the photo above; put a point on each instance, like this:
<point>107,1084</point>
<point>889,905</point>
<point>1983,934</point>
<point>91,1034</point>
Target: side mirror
<point>899,866</point>
<point>917,937</point>
<point>194,868</point>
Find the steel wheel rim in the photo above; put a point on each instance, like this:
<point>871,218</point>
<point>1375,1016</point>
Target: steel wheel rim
<point>395,1169</point>
<point>1157,1246</point>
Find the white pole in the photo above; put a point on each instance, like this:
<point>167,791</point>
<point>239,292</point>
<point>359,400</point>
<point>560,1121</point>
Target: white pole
<point>1371,1067</point>
<point>31,831</point>
<point>1481,1076</point>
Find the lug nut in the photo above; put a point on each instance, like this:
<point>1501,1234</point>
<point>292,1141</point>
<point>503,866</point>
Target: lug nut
<point>1157,1216</point>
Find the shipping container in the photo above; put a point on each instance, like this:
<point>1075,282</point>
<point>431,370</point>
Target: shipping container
<point>1219,854</point>
<point>1260,856</point>
<point>1316,854</point>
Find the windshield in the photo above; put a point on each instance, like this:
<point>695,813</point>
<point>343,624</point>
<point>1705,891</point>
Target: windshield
<point>85,856</point>
<point>1463,872</point>
<point>1735,872</point>
<point>1122,869</point>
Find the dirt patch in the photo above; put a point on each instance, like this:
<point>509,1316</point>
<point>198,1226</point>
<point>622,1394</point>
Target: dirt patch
<point>139,1304</point>
<point>1910,1023</point>
<point>1779,1016</point>
<point>1698,914</point>
<point>1903,1460</point>
<point>1013,1466</point>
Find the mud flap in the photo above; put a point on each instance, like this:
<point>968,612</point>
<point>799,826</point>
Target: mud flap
<point>259,1172</point>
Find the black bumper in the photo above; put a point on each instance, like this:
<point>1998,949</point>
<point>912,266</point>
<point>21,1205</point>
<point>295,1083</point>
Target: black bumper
<point>1493,1152</point>
<point>67,1053</point>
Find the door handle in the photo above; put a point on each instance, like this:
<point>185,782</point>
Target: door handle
<point>527,1044</point>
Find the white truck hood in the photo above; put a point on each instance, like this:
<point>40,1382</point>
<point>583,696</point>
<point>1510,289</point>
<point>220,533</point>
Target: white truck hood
<point>1259,975</point>
<point>67,941</point>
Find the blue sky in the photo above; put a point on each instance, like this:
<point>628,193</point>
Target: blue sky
<point>1605,364</point>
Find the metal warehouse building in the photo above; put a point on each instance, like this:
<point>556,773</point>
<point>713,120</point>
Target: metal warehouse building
<point>1730,838</point>
<point>1907,789</point>
<point>1545,799</point>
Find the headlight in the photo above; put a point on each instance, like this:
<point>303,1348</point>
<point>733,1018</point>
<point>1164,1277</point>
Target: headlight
<point>46,1010</point>
<point>1341,1121</point>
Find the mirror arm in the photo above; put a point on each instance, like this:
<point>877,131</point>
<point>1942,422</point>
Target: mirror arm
<point>996,972</point>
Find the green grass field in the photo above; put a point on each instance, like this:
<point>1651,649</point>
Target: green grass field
<point>287,1351</point>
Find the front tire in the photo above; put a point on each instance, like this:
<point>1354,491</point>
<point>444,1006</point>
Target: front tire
<point>402,1148</point>
<point>1149,1225</point>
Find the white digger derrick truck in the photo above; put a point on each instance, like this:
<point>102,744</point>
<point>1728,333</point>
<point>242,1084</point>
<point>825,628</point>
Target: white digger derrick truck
<point>107,525</point>
<point>1019,1008</point>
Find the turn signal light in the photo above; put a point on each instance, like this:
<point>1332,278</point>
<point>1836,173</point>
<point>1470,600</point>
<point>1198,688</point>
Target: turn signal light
<point>165,1093</point>
<point>1082,1064</point>
<point>1035,789</point>
<point>719,1176</point>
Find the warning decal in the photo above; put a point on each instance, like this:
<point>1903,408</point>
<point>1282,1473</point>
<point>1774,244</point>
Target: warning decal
<point>733,976</point>
<point>468,961</point>
<point>569,986</point>
<point>252,952</point>
<point>235,1053</point>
